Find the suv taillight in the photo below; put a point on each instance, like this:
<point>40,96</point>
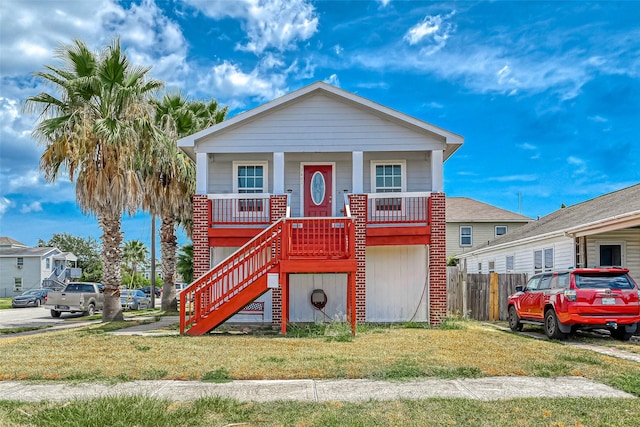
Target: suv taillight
<point>570,294</point>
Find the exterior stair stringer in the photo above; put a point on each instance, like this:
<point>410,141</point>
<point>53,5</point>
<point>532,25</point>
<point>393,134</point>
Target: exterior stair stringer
<point>230,307</point>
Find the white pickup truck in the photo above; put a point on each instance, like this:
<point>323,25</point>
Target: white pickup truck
<point>76,297</point>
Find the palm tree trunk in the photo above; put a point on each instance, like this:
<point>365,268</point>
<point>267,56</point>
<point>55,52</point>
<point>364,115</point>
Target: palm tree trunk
<point>111,276</point>
<point>168,249</point>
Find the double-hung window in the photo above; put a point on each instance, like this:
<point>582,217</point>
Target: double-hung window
<point>466,236</point>
<point>250,178</point>
<point>388,177</point>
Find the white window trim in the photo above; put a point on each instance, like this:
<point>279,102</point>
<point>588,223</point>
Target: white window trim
<point>265,168</point>
<point>513,262</point>
<point>491,270</point>
<point>495,231</point>
<point>238,212</point>
<point>403,172</point>
<point>621,243</point>
<point>470,227</point>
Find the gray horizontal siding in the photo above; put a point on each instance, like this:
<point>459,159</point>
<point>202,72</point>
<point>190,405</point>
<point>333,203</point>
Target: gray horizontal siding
<point>321,124</point>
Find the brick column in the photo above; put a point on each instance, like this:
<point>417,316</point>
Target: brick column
<point>358,204</point>
<point>278,209</point>
<point>437,259</point>
<point>201,252</point>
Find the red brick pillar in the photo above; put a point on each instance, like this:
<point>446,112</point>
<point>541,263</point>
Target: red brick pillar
<point>278,209</point>
<point>437,259</point>
<point>201,251</point>
<point>358,205</point>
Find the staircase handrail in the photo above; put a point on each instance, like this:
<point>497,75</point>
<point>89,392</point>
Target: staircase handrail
<point>231,275</point>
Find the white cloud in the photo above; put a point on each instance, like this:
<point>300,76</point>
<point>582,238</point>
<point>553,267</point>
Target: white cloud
<point>31,207</point>
<point>277,24</point>
<point>384,3</point>
<point>5,204</point>
<point>580,166</point>
<point>431,34</point>
<point>338,49</point>
<point>333,80</point>
<point>29,180</point>
<point>512,178</point>
<point>228,78</point>
<point>598,119</point>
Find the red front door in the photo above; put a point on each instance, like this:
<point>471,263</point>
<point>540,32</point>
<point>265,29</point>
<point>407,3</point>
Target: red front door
<point>317,190</point>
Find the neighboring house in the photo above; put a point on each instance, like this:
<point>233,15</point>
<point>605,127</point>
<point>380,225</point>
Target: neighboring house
<point>344,201</point>
<point>23,268</point>
<point>471,224</point>
<point>604,231</point>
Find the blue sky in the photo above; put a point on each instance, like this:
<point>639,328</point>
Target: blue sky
<point>546,94</point>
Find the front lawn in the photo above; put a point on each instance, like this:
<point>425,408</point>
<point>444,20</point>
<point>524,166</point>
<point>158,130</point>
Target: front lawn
<point>464,349</point>
<point>5,303</point>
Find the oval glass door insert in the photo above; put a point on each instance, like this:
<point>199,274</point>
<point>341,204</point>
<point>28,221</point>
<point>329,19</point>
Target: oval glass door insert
<point>317,188</point>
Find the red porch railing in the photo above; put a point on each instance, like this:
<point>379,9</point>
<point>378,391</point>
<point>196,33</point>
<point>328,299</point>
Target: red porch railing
<point>228,209</point>
<point>241,278</point>
<point>405,208</point>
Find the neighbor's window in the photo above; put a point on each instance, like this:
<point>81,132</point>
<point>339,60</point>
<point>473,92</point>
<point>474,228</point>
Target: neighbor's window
<point>20,262</point>
<point>492,266</point>
<point>610,255</point>
<point>548,259</point>
<point>479,267</point>
<point>537,262</point>
<point>509,263</point>
<point>48,263</point>
<point>250,178</point>
<point>465,236</point>
<point>501,230</point>
<point>17,283</point>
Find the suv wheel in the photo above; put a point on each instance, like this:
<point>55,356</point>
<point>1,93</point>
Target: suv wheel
<point>620,333</point>
<point>551,327</point>
<point>514,320</point>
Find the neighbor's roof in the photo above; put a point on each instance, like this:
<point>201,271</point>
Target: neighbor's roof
<point>464,209</point>
<point>26,252</point>
<point>616,210</point>
<point>8,241</point>
<point>453,141</point>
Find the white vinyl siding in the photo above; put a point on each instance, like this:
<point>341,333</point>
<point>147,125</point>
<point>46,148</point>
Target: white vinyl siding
<point>630,238</point>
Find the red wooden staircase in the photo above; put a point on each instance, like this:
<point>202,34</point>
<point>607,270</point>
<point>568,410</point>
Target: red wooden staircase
<point>289,245</point>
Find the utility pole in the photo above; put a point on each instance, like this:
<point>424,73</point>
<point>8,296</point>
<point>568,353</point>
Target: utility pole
<point>153,261</point>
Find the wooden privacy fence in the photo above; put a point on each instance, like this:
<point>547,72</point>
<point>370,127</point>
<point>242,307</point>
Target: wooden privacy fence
<point>481,296</point>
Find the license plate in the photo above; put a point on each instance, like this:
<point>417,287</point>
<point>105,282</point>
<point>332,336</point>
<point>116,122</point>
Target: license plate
<point>608,301</point>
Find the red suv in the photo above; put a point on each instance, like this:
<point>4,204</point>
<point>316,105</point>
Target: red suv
<point>582,298</point>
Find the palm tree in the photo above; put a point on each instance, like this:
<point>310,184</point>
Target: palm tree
<point>170,176</point>
<point>134,253</point>
<point>184,266</point>
<point>98,118</point>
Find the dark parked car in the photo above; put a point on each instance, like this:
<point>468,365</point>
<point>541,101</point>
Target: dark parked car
<point>30,298</point>
<point>147,291</point>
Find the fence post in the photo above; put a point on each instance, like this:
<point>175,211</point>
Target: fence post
<point>494,301</point>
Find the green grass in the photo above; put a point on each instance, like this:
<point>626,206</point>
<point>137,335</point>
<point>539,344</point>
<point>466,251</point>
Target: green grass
<point>17,330</point>
<point>5,303</point>
<point>214,411</point>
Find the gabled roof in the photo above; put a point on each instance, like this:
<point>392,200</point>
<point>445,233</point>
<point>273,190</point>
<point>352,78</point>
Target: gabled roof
<point>612,211</point>
<point>464,209</point>
<point>453,141</point>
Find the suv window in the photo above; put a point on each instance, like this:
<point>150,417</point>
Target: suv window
<point>532,284</point>
<point>545,282</point>
<point>564,280</point>
<point>603,281</point>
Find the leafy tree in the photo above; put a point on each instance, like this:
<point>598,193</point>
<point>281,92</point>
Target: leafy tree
<point>92,126</point>
<point>86,249</point>
<point>134,253</point>
<point>185,263</point>
<point>169,175</point>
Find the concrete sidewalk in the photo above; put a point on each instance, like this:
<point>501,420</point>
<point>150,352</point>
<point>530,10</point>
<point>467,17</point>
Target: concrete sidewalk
<point>491,388</point>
